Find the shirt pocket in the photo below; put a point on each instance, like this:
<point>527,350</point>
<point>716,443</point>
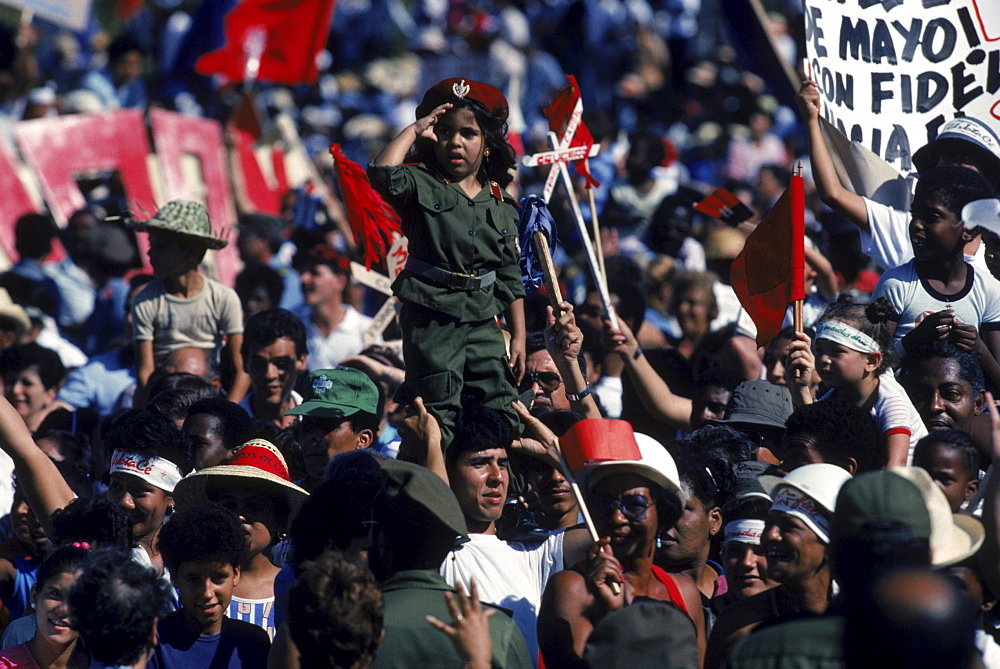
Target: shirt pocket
<point>504,226</point>
<point>435,202</point>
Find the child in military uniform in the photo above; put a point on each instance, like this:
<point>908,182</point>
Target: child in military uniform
<point>463,267</point>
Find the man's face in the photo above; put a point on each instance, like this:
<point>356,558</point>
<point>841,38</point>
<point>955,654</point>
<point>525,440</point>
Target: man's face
<point>204,429</point>
<point>940,395</point>
<point>555,498</point>
<point>127,68</point>
<point>326,437</point>
<point>708,403</point>
<point>320,284</point>
<point>274,369</point>
<point>479,480</point>
<point>794,552</point>
<point>542,376</point>
<point>800,450</point>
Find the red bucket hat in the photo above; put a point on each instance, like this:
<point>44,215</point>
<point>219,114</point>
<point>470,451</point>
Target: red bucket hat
<point>453,89</point>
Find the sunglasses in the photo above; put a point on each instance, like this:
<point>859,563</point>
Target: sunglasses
<point>633,507</point>
<point>547,381</point>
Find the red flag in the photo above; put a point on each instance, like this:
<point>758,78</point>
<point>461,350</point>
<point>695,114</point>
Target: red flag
<point>559,114</point>
<point>286,36</point>
<point>725,206</point>
<point>598,440</point>
<point>371,218</point>
<point>769,273</point>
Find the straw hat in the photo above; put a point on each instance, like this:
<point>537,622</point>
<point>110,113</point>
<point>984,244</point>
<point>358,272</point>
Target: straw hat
<point>183,217</point>
<point>13,313</point>
<point>258,462</point>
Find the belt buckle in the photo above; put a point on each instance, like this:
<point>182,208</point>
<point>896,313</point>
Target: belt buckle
<point>464,282</point>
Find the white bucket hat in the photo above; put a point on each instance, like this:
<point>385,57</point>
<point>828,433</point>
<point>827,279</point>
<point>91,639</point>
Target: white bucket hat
<point>819,484</point>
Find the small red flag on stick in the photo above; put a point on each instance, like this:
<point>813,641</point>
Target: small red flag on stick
<point>769,274</point>
<point>559,114</point>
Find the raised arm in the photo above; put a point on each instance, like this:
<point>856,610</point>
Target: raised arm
<point>563,340</point>
<point>395,151</point>
<point>653,391</point>
<point>43,485</point>
<point>834,194</point>
<point>826,277</point>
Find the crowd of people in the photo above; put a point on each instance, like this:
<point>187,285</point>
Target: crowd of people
<point>267,475</point>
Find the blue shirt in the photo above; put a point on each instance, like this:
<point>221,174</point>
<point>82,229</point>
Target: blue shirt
<point>238,645</point>
<point>98,384</point>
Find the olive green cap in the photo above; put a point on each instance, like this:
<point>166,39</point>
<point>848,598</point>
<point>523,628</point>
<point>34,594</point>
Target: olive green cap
<point>338,393</point>
<point>416,497</point>
<point>869,503</point>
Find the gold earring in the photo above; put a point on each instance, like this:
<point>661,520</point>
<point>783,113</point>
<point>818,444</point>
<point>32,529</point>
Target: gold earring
<point>487,153</point>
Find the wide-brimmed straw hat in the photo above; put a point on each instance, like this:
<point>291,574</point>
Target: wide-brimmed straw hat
<point>258,463</point>
<point>183,217</point>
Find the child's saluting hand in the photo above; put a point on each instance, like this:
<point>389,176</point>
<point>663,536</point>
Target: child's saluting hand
<point>424,127</point>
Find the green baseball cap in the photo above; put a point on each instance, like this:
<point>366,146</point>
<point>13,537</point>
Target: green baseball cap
<point>871,501</point>
<point>414,496</point>
<point>338,393</point>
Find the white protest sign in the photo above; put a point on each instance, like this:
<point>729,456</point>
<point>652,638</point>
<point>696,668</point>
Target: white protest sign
<point>72,14</point>
<point>395,261</point>
<point>892,72</point>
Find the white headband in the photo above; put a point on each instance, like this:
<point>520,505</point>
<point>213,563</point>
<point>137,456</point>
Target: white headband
<point>852,338</point>
<point>802,506</point>
<point>158,472</point>
<point>745,531</point>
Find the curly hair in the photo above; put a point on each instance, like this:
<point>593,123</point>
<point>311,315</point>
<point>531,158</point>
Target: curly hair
<point>264,328</point>
<point>871,319</point>
<point>203,533</point>
<point>502,159</point>
<point>951,186</point>
<point>152,435</point>
<point>234,423</point>
<point>115,604</point>
<point>707,473</point>
<point>969,369</point>
<point>724,442</point>
<point>479,428</point>
<point>96,520</point>
<point>335,613</point>
<point>958,441</point>
<point>840,430</point>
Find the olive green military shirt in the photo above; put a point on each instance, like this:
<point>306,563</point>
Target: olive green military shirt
<point>410,641</point>
<point>446,229</point>
<point>809,643</point>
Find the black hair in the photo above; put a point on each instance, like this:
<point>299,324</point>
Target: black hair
<point>202,533</point>
<point>96,520</point>
<point>707,474</point>
<point>478,428</point>
<point>952,187</point>
<point>646,151</point>
<point>351,483</point>
<point>957,440</point>
<point>46,362</point>
<point>160,382</point>
<point>67,559</point>
<point>263,227</point>
<point>175,403</point>
<point>872,319</point>
<point>124,44</point>
<point>79,462</point>
<point>840,430</point>
<point>151,435</point>
<point>233,420</point>
<point>33,235</point>
<point>969,369</point>
<point>502,159</point>
<point>310,256</point>
<point>258,274</point>
<point>115,604</point>
<point>335,613</point>
<point>723,442</point>
<point>719,377</point>
<point>363,420</point>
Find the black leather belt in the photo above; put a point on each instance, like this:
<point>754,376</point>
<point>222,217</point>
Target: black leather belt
<point>453,280</point>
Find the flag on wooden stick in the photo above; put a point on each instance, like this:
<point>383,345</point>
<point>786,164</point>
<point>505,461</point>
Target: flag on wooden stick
<point>769,274</point>
<point>560,114</point>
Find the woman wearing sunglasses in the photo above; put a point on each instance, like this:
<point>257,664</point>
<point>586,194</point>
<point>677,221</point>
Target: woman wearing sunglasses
<point>630,501</point>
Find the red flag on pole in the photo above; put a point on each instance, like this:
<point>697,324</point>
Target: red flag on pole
<point>271,40</point>
<point>559,113</point>
<point>769,274</point>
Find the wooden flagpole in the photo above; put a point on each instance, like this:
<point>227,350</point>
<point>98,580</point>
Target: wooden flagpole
<point>555,297</point>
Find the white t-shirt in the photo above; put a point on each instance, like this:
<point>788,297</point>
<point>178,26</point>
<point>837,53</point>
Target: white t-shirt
<point>977,303</point>
<point>326,352</point>
<point>508,574</point>
<point>888,242</point>
<point>894,413</point>
<point>173,322</point>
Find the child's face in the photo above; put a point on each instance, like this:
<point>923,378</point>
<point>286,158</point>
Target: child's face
<point>256,510</point>
<point>935,231</point>
<point>944,464</point>
<point>51,610</point>
<point>167,252</point>
<point>205,590</point>
<point>838,365</point>
<point>460,143</point>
